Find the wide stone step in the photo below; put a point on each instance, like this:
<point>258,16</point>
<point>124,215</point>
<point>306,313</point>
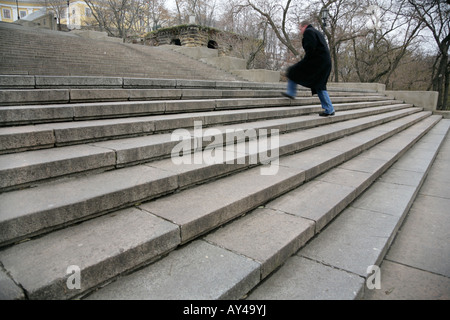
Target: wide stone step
<point>26,90</point>
<point>104,82</point>
<point>18,115</point>
<point>342,261</point>
<point>28,137</point>
<point>55,204</point>
<point>20,169</point>
<point>229,262</point>
<point>20,97</point>
<point>47,96</point>
<point>191,212</point>
<point>60,95</point>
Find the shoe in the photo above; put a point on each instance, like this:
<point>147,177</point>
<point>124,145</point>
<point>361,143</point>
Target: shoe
<point>287,95</point>
<point>323,114</point>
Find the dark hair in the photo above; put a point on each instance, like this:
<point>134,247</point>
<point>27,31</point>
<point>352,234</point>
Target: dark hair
<point>305,23</point>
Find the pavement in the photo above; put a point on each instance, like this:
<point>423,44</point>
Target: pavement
<point>417,265</point>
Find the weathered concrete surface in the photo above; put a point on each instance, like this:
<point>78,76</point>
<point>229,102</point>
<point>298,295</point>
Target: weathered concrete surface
<point>245,192</point>
<point>77,81</point>
<point>226,63</point>
<point>16,81</point>
<point>401,282</point>
<point>36,96</point>
<point>181,276</point>
<point>248,236</point>
<point>359,237</point>
<point>25,137</point>
<point>51,205</point>
<point>259,75</point>
<point>424,99</point>
<point>416,266</point>
<point>121,241</point>
<point>22,168</point>
<point>8,289</point>
<point>304,279</point>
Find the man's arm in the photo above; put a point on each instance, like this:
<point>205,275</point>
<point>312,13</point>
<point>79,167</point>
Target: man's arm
<point>309,43</point>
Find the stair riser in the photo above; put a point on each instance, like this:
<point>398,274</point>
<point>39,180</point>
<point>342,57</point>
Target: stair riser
<point>23,175</point>
<point>64,112</point>
<point>267,265</point>
<point>100,272</point>
<point>60,135</point>
<point>48,96</point>
<point>143,185</point>
<point>192,229</point>
<point>118,197</point>
<point>107,258</point>
<point>371,222</point>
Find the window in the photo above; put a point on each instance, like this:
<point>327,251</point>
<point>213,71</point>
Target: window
<point>23,14</point>
<point>88,12</point>
<point>6,14</point>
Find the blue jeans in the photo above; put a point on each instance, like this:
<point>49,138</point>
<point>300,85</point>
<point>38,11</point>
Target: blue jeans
<point>323,96</point>
<point>325,101</point>
<point>291,88</point>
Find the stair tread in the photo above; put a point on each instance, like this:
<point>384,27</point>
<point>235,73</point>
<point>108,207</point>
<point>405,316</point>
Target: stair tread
<point>337,263</point>
<point>106,185</point>
<point>195,195</point>
<point>240,238</point>
<point>16,114</point>
<point>131,234</point>
<point>94,130</point>
<point>80,197</point>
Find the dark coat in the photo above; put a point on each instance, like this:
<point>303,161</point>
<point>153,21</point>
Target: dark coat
<point>314,69</point>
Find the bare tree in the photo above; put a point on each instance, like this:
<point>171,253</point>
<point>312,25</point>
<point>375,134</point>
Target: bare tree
<point>414,71</point>
<point>343,22</point>
<point>156,13</point>
<point>58,7</point>
<point>378,54</point>
<point>346,21</point>
<point>265,50</point>
<point>276,15</point>
<point>118,17</point>
<point>180,4</point>
<point>204,11</point>
<point>435,15</point>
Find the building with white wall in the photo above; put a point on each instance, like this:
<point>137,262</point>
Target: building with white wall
<point>12,10</point>
<point>76,12</point>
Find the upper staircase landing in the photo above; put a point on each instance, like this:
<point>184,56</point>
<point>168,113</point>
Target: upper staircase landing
<point>29,51</point>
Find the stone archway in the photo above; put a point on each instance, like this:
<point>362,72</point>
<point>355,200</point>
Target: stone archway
<point>213,44</point>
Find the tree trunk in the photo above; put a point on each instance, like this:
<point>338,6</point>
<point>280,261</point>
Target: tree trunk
<point>442,82</point>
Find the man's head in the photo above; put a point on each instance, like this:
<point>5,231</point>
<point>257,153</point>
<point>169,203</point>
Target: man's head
<point>303,25</point>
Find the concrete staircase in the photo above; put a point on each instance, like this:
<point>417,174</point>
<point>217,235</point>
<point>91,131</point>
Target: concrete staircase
<point>153,182</point>
<point>29,51</point>
<point>92,190</point>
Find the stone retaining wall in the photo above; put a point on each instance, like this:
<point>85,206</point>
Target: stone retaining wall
<point>228,44</point>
